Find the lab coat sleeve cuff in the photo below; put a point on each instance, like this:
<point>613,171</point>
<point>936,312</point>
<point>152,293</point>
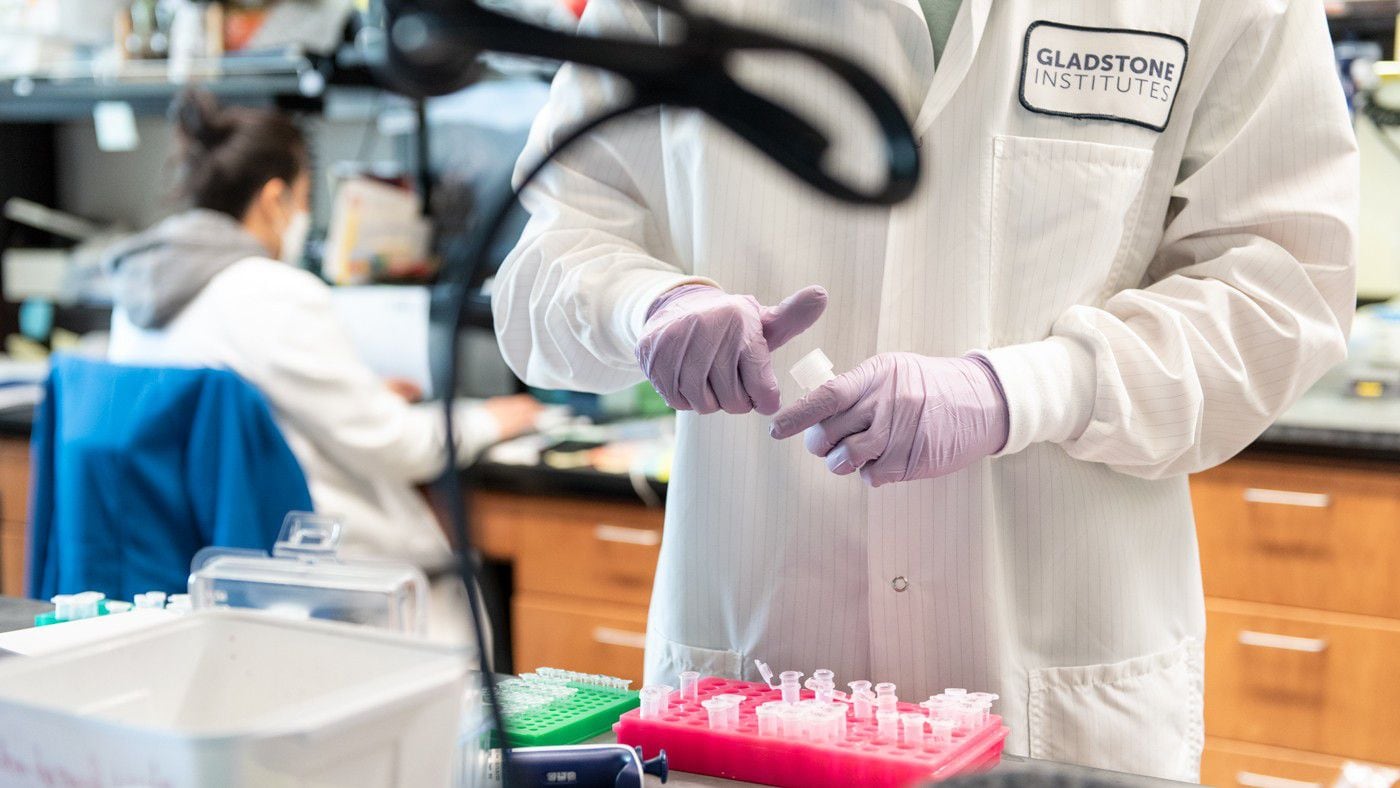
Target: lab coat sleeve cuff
<point>474,427</point>
<point>1050,390</point>
<point>642,289</point>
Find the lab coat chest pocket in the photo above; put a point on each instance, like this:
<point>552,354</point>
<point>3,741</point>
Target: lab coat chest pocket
<point>1142,715</point>
<point>666,658</point>
<point>1060,210</point>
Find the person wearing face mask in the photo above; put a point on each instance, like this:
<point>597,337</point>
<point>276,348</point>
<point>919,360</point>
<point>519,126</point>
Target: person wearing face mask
<point>208,287</point>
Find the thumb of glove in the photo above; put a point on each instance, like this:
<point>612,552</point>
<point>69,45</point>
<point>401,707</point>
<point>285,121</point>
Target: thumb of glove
<point>794,315</point>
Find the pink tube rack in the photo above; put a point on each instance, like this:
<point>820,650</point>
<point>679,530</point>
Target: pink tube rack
<point>743,754</point>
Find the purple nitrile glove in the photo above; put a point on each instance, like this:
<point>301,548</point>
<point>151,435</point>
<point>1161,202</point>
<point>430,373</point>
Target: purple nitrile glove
<point>706,350</point>
<point>902,416</point>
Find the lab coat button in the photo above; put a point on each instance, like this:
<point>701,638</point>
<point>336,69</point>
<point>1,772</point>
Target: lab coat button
<point>900,584</point>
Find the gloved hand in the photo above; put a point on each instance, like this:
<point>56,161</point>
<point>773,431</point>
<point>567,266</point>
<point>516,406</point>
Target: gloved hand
<point>902,416</point>
<point>705,350</point>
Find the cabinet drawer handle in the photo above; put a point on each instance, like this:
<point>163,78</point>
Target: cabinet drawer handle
<point>609,636</point>
<point>1253,780</point>
<point>1284,642</point>
<point>1288,498</point>
<point>604,532</point>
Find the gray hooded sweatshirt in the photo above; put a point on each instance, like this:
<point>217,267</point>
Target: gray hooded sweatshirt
<point>155,274</point>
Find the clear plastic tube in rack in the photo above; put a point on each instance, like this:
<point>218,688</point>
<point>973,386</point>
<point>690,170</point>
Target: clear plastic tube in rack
<point>886,725</point>
<point>942,735</point>
<point>770,721</point>
<point>912,729</point>
<point>653,700</point>
<point>791,685</point>
<point>885,699</point>
<point>723,712</point>
<point>861,699</point>
<point>690,686</point>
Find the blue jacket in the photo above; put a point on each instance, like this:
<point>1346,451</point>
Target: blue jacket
<point>135,469</point>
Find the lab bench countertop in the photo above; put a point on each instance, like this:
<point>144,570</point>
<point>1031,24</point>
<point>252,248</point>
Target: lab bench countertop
<point>1324,424</point>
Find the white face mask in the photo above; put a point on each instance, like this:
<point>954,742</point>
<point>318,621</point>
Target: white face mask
<point>294,238</point>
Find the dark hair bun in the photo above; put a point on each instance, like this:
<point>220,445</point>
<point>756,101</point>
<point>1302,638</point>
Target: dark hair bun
<point>227,154</point>
<point>201,120</point>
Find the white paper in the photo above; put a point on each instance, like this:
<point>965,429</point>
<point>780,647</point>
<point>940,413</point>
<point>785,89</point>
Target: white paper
<point>389,328</point>
<point>116,126</point>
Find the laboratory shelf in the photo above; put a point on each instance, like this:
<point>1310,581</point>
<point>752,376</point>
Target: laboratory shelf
<point>70,92</point>
<point>589,712</point>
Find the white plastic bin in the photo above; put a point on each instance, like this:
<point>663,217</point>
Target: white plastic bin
<point>232,698</point>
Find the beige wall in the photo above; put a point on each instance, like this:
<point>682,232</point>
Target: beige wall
<point>1379,274</point>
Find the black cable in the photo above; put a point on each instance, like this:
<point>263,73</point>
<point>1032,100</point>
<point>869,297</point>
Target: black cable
<point>474,259</point>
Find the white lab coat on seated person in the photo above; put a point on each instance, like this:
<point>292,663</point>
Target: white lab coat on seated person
<point>1150,300</point>
<point>362,448</point>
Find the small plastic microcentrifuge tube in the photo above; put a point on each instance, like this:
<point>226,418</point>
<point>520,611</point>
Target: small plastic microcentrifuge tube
<point>809,724</point>
<point>86,604</point>
<point>984,701</point>
<point>955,692</point>
<point>885,699</point>
<point>690,686</point>
<point>812,370</point>
<point>823,689</point>
<point>791,717</point>
<point>886,725</point>
<point>653,701</point>
<point>733,712</point>
<point>912,729</point>
<point>861,697</point>
<point>156,598</point>
<point>831,718</point>
<point>63,607</point>
<point>179,603</point>
<point>821,725</point>
<point>982,712</point>
<point>942,735</point>
<point>791,685</point>
<point>722,712</point>
<point>769,720</point>
<point>117,606</point>
<point>933,707</point>
<point>966,713</point>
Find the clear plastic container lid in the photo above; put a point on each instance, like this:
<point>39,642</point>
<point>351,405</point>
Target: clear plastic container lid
<point>304,578</point>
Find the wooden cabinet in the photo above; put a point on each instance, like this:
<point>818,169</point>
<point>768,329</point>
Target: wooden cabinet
<point>14,513</point>
<point>1307,680</point>
<point>1230,764</point>
<point>583,577</point>
<point>555,631</point>
<point>1300,563</point>
<point>1315,536</point>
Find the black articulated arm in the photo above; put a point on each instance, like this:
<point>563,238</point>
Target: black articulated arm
<point>425,48</point>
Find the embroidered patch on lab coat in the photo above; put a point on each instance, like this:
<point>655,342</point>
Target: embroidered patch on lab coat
<point>1095,73</point>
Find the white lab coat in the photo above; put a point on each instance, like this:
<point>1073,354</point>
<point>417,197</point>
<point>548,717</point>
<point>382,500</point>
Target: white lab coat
<point>362,448</point>
<point>1150,301</point>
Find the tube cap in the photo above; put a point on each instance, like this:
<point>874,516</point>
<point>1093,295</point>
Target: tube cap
<point>812,370</point>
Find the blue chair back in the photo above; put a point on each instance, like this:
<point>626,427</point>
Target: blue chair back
<point>135,469</point>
